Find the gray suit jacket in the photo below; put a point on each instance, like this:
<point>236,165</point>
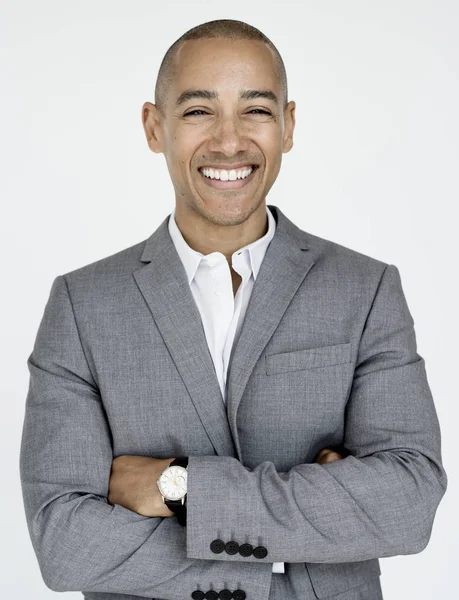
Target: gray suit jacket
<point>326,357</point>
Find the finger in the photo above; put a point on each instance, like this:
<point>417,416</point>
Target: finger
<point>332,456</point>
<point>323,453</point>
<point>328,456</point>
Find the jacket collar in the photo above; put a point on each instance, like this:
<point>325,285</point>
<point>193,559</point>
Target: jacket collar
<point>191,258</point>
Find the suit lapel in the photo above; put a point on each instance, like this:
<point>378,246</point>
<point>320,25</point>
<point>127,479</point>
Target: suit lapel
<point>286,263</point>
<point>164,285</point>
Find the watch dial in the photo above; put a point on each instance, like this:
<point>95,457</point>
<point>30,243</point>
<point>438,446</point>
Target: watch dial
<point>173,482</point>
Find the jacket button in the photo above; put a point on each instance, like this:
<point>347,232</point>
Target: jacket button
<point>232,547</point>
<point>211,595</point>
<point>260,552</point>
<point>239,595</point>
<point>245,549</point>
<point>198,595</point>
<point>225,594</point>
<point>217,546</point>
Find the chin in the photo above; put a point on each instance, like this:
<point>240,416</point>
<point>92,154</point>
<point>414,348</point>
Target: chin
<point>231,215</point>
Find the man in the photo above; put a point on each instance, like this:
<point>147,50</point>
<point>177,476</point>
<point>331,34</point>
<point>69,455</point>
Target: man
<point>234,407</point>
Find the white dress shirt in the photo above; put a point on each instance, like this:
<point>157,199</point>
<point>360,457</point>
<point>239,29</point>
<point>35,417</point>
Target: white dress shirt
<point>222,312</point>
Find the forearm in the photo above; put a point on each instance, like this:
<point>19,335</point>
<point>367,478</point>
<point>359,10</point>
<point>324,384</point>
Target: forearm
<point>84,544</point>
<point>350,510</point>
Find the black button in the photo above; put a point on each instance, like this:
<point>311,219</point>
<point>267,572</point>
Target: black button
<point>260,552</point>
<point>239,595</point>
<point>198,595</point>
<point>245,549</point>
<point>232,547</point>
<point>211,595</point>
<point>225,594</point>
<point>217,546</point>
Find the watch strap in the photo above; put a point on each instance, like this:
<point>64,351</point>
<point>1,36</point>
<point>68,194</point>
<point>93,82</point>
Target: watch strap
<point>176,506</point>
<point>181,461</point>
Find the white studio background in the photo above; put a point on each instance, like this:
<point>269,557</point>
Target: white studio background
<point>374,167</point>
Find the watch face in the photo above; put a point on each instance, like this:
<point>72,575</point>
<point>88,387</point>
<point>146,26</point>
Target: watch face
<point>173,482</point>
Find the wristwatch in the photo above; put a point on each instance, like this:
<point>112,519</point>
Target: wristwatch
<point>172,485</point>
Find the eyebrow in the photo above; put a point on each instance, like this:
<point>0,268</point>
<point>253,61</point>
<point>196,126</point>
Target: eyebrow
<point>213,95</point>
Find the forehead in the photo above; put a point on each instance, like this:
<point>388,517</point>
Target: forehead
<point>218,63</point>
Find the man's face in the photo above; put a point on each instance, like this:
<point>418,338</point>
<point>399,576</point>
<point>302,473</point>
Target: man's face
<point>223,132</point>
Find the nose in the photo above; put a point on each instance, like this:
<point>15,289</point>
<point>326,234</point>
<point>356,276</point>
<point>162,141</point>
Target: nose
<point>228,137</point>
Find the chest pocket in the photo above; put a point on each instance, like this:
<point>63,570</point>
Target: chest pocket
<point>309,358</point>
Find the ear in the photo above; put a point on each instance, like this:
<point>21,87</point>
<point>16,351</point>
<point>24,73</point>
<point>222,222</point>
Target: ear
<point>151,121</point>
<point>289,126</point>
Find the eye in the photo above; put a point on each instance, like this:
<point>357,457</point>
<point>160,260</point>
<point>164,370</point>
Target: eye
<point>258,111</point>
<point>194,111</point>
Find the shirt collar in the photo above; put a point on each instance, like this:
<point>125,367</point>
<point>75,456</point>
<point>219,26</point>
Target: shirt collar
<point>191,258</point>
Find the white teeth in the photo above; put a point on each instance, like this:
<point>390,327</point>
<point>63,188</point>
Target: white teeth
<point>225,175</point>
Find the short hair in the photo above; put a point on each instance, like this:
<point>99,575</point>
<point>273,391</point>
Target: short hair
<point>221,28</point>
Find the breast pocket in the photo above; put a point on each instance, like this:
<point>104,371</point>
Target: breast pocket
<point>309,358</point>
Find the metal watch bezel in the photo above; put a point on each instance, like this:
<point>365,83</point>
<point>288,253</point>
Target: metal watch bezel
<point>169,468</point>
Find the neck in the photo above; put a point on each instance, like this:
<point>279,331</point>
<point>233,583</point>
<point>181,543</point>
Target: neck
<point>206,237</point>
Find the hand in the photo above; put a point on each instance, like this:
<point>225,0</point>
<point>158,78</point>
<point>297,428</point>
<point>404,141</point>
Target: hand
<point>133,484</point>
<point>326,455</point>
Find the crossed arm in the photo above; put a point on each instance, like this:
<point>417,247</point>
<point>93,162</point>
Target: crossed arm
<point>378,501</point>
<point>133,479</point>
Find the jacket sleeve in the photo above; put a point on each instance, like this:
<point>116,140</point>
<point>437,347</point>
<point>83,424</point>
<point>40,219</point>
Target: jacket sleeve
<point>378,501</point>
<point>82,542</point>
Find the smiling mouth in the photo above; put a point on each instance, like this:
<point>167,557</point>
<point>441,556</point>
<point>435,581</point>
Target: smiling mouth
<point>230,184</point>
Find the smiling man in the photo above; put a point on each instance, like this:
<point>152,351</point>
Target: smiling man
<point>233,407</point>
<point>222,139</point>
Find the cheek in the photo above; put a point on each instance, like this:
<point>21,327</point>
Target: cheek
<point>178,162</point>
<point>273,151</point>
<point>184,153</point>
<point>271,142</point>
